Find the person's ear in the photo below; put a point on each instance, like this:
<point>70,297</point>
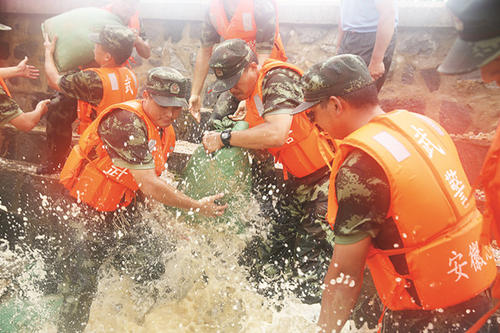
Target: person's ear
<point>107,57</point>
<point>335,104</point>
<point>145,94</point>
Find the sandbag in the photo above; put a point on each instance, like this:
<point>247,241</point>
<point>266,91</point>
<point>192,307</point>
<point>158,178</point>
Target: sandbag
<point>226,171</point>
<point>73,47</point>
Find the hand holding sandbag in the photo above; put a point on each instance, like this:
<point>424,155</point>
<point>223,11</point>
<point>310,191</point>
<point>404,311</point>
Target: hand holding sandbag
<point>74,47</point>
<point>210,208</point>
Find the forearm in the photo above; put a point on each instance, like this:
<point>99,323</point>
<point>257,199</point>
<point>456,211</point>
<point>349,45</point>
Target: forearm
<point>142,47</point>
<point>51,71</point>
<point>201,69</point>
<point>158,189</point>
<point>385,31</point>
<point>9,72</point>
<point>269,134</point>
<point>339,298</point>
<point>26,121</point>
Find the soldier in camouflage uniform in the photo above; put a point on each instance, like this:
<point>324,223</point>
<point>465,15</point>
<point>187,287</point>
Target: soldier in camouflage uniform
<point>10,112</point>
<point>85,85</point>
<point>299,243</point>
<point>120,236</point>
<point>265,21</point>
<point>341,97</point>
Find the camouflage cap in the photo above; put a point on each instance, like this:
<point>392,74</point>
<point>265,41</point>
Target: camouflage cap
<point>228,62</point>
<point>337,76</point>
<point>478,42</point>
<point>168,87</point>
<point>5,27</point>
<point>117,40</point>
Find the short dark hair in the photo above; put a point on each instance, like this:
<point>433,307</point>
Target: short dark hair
<point>366,96</point>
<point>117,57</point>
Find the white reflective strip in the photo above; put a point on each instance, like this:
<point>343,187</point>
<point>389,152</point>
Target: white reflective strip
<point>247,22</point>
<point>135,79</point>
<point>394,147</point>
<point>113,80</point>
<point>258,104</point>
<point>432,123</point>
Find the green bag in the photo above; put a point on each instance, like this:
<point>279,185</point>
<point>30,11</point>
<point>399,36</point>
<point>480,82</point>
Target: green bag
<point>73,47</point>
<point>226,171</point>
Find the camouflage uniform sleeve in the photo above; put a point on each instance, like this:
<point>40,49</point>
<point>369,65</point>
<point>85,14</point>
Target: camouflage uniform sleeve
<point>82,85</point>
<point>125,136</point>
<point>209,35</point>
<point>281,91</point>
<point>9,109</point>
<point>363,198</point>
<point>265,21</point>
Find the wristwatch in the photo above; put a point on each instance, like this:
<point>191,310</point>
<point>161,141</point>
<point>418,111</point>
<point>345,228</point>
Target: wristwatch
<point>225,137</point>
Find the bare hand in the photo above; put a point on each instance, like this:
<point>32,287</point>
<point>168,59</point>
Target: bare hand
<point>42,105</point>
<point>376,70</point>
<point>240,112</point>
<point>212,141</point>
<point>210,208</point>
<point>25,70</point>
<point>49,45</point>
<point>194,107</point>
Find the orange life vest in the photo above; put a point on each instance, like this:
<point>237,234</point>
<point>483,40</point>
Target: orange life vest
<point>242,25</point>
<point>431,206</point>
<point>119,85</point>
<point>305,150</point>
<point>98,182</point>
<point>4,86</point>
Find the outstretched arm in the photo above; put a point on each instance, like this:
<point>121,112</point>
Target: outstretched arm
<point>22,69</point>
<point>155,187</point>
<point>342,284</point>
<point>27,120</point>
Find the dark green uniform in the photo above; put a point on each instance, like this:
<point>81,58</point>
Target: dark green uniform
<point>299,247</point>
<point>119,236</point>
<point>363,196</point>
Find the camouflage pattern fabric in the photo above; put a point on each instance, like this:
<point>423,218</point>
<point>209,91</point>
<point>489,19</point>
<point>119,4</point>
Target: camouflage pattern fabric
<point>363,198</point>
<point>281,91</point>
<point>83,85</point>
<point>265,21</point>
<point>226,105</point>
<point>168,87</point>
<point>97,238</point>
<point>8,108</point>
<point>62,112</point>
<point>299,247</point>
<point>117,40</point>
<point>126,140</point>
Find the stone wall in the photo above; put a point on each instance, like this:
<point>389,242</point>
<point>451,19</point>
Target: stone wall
<point>460,103</point>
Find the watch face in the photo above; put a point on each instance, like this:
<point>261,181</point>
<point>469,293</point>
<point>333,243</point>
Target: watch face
<point>225,136</point>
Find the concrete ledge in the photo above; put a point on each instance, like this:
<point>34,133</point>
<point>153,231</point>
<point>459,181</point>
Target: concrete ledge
<point>317,12</point>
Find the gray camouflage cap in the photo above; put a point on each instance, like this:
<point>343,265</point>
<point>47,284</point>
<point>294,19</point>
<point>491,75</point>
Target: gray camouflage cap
<point>117,40</point>
<point>5,27</point>
<point>337,76</point>
<point>168,87</point>
<point>478,42</point>
<point>228,62</point>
